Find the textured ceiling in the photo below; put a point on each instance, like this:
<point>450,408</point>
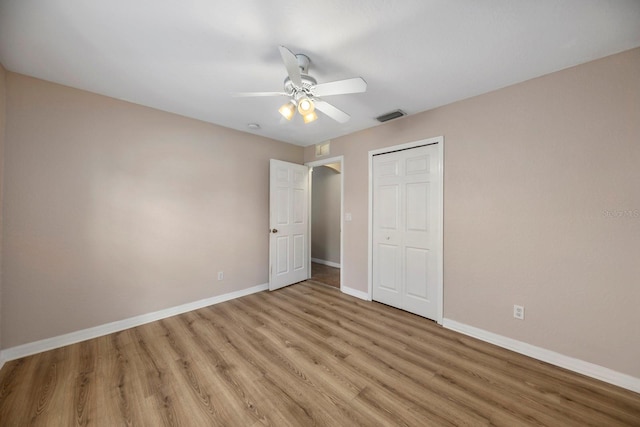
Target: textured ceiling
<point>189,56</point>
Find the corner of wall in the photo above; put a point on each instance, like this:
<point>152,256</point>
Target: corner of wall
<point>2,134</point>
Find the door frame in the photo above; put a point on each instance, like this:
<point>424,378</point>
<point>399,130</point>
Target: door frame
<point>336,159</point>
<point>439,140</point>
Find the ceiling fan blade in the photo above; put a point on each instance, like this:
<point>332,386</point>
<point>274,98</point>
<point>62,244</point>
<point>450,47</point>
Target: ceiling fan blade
<point>249,94</point>
<point>291,63</point>
<point>339,87</point>
<point>331,111</point>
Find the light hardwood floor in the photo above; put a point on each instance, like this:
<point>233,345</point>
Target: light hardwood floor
<point>304,355</point>
<point>325,274</point>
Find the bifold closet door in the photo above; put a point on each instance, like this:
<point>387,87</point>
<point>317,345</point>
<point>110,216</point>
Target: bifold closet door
<point>405,226</point>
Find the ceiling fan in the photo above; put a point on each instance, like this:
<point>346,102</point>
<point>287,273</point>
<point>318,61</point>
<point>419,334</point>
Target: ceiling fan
<point>305,92</point>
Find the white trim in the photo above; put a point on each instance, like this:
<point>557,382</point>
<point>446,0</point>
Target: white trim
<point>355,293</point>
<point>439,140</point>
<point>440,261</point>
<point>580,366</point>
<point>325,262</point>
<point>109,328</point>
<point>337,159</point>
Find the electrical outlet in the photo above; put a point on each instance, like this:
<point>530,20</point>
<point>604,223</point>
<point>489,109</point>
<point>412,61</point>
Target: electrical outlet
<point>518,312</point>
<point>220,275</point>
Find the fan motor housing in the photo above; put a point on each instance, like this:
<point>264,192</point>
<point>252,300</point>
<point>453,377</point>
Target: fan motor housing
<point>307,83</point>
<point>303,62</point>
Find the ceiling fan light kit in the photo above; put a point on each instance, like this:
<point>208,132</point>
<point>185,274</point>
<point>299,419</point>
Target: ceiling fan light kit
<point>305,105</point>
<point>288,110</point>
<point>309,117</point>
<point>304,91</point>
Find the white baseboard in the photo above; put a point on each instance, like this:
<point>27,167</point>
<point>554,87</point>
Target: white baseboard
<point>580,366</point>
<point>355,293</point>
<point>23,350</point>
<point>325,262</point>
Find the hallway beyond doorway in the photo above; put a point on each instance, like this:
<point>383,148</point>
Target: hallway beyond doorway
<point>325,274</point>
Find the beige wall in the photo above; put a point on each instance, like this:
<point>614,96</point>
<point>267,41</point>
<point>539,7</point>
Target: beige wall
<point>2,128</point>
<point>113,210</point>
<point>542,208</point>
<point>325,214</point>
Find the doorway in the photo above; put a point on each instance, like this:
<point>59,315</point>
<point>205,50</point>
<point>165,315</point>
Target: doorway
<point>406,223</point>
<point>326,221</point>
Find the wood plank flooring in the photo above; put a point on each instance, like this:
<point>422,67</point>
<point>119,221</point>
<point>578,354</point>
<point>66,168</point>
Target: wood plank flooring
<point>304,355</point>
<point>325,274</point>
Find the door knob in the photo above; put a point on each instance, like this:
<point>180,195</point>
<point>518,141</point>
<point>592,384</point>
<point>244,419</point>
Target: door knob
<point>275,230</point>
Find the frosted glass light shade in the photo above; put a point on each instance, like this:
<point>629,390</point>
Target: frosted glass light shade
<point>288,110</point>
<point>308,118</point>
<point>305,106</point>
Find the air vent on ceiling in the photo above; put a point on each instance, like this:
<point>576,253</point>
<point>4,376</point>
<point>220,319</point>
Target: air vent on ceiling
<point>390,116</point>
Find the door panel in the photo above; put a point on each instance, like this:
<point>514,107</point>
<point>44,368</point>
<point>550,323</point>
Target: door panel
<point>417,165</point>
<point>389,196</point>
<point>417,210</point>
<point>388,168</point>
<point>289,228</point>
<point>298,251</point>
<point>389,267</point>
<point>416,270</point>
<point>282,215</point>
<point>282,255</point>
<point>388,274</point>
<point>300,203</point>
<point>405,235</point>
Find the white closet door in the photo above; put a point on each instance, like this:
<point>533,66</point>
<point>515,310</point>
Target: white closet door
<point>406,221</point>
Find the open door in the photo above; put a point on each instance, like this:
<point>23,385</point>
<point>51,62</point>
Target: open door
<point>288,224</point>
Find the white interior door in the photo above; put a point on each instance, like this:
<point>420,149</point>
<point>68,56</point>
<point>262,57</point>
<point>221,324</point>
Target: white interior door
<point>407,217</point>
<point>289,224</point>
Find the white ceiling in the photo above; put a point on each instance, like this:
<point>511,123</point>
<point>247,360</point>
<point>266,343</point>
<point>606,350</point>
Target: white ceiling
<point>189,56</point>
